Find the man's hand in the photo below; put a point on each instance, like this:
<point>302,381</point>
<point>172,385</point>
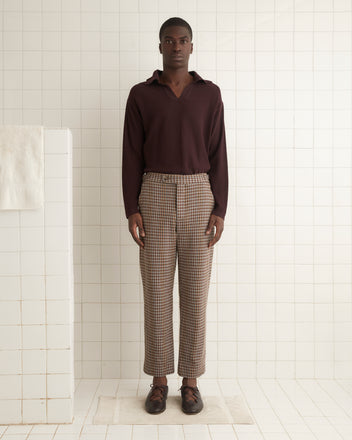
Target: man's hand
<point>134,221</point>
<point>218,222</point>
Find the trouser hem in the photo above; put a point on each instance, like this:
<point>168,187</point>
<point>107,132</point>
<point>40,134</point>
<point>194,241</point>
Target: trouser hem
<point>158,373</point>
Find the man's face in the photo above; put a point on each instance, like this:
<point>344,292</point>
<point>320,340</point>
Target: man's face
<point>176,46</point>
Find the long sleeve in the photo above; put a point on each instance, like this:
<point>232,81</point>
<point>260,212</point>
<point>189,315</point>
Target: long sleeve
<point>218,173</point>
<point>132,156</point>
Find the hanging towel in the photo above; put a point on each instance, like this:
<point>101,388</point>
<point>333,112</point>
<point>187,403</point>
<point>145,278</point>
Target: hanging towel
<point>21,167</point>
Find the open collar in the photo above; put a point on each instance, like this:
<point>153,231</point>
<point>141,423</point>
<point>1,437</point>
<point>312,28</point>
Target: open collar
<point>157,72</point>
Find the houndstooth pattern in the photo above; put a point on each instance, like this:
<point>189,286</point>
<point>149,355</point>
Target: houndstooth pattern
<point>175,209</point>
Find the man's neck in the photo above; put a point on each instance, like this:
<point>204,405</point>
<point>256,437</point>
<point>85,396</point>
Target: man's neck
<point>175,76</point>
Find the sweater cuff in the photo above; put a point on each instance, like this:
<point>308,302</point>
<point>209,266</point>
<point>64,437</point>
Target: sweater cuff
<point>219,212</point>
<point>131,211</point>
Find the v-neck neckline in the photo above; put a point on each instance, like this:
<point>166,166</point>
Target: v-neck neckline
<point>173,93</point>
<point>183,91</point>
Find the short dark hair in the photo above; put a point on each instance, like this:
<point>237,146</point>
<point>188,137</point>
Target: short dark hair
<point>175,21</point>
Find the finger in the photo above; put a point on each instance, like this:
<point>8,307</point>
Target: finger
<point>210,226</point>
<point>141,235</point>
<point>141,230</point>
<point>212,241</point>
<point>216,238</point>
<point>139,242</point>
<point>135,236</point>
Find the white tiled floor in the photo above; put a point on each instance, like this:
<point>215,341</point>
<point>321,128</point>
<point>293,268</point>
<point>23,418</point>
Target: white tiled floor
<point>284,409</point>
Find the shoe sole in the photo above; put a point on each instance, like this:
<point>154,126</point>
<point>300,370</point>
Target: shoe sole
<point>192,412</point>
<point>157,412</point>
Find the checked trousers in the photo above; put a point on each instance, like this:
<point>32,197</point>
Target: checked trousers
<point>175,209</point>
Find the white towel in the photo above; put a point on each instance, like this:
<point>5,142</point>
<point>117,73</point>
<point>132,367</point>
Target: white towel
<point>21,167</point>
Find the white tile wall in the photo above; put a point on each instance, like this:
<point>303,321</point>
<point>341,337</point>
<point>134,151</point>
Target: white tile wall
<point>36,298</point>
<point>280,299</point>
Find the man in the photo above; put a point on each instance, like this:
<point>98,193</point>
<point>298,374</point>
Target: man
<point>175,188</point>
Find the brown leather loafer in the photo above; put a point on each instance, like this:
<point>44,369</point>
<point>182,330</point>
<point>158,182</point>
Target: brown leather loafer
<point>156,406</point>
<point>191,406</point>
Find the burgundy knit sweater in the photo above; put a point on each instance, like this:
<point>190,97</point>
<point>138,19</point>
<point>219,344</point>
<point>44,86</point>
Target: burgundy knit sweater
<point>179,135</point>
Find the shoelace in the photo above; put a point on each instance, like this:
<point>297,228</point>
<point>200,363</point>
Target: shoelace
<point>191,397</point>
<point>158,392</point>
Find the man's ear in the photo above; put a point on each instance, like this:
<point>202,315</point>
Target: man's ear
<point>160,47</point>
<point>191,47</point>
